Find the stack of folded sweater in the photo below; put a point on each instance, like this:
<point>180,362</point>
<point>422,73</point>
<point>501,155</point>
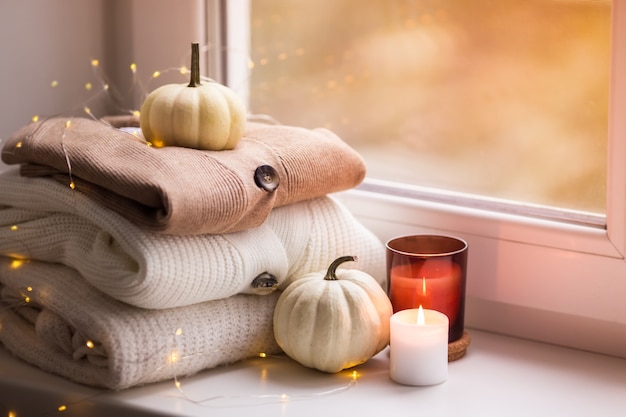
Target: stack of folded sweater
<point>122,264</point>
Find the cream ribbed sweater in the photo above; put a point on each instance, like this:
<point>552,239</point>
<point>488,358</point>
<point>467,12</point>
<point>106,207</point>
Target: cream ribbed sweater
<point>131,346</point>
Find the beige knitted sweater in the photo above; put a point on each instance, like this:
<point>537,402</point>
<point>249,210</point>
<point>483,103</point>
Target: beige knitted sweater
<point>180,191</point>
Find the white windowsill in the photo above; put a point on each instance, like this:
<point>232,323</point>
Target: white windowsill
<point>486,221</point>
<point>523,272</point>
<point>499,376</point>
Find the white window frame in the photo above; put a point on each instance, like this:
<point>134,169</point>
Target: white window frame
<point>559,281</point>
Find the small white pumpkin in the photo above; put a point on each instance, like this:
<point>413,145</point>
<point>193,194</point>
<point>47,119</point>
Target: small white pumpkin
<point>207,116</point>
<point>333,320</point>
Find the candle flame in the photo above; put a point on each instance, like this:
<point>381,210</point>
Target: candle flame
<point>421,319</point>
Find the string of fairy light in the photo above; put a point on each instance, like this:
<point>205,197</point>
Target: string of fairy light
<point>169,357</point>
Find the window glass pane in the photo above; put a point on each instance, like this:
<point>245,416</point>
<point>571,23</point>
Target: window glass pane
<point>503,98</point>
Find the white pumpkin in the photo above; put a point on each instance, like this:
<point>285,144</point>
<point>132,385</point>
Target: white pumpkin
<point>208,116</point>
<point>333,320</point>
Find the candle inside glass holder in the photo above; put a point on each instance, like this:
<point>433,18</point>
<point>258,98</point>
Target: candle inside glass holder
<point>429,270</point>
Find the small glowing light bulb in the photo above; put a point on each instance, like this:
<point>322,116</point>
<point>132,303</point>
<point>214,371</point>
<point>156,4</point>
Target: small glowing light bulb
<point>174,357</point>
<point>262,355</point>
<point>72,185</point>
<point>87,110</point>
<point>27,300</point>
<point>62,407</point>
<point>177,384</point>
<point>136,113</point>
<point>11,414</point>
<point>68,123</point>
<point>284,397</point>
<point>106,87</point>
<point>29,289</point>
<point>35,118</point>
<point>179,331</point>
<point>183,70</point>
<point>54,84</point>
<point>250,64</point>
<point>18,144</point>
<point>95,62</point>
<point>16,263</point>
<point>14,228</point>
<point>88,86</point>
<point>89,344</point>
<point>133,67</point>
<point>355,375</point>
<point>157,143</point>
<point>156,74</point>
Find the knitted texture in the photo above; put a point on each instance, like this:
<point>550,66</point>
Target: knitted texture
<point>180,191</point>
<point>131,346</point>
<point>41,219</point>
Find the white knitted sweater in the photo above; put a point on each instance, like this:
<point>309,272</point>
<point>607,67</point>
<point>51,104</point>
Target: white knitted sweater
<point>43,220</point>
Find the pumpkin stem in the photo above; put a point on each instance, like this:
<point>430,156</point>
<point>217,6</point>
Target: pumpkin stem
<point>330,274</point>
<point>194,79</point>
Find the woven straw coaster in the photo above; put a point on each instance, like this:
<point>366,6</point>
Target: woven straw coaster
<point>457,349</point>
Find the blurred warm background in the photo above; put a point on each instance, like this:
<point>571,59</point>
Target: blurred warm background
<point>502,98</point>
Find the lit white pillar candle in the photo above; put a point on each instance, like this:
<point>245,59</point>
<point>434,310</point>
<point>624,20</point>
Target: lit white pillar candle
<point>419,347</point>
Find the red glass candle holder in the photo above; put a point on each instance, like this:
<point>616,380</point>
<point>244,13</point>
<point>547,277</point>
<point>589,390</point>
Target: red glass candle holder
<point>429,270</point>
